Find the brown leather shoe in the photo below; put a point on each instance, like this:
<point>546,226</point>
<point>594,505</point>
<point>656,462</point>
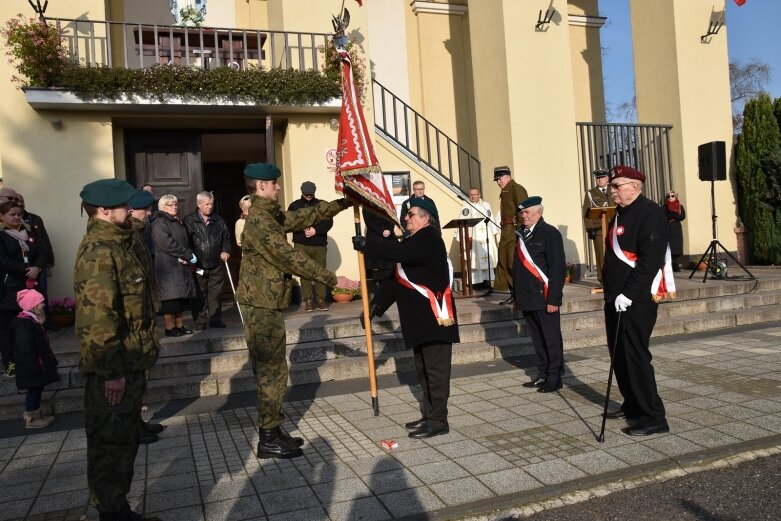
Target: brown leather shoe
<point>309,307</point>
<point>322,306</point>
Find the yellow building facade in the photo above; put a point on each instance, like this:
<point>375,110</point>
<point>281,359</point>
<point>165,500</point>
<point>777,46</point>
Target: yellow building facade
<point>459,88</point>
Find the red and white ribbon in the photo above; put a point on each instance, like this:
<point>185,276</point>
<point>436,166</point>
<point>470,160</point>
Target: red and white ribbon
<point>526,260</point>
<point>663,285</point>
<point>442,311</point>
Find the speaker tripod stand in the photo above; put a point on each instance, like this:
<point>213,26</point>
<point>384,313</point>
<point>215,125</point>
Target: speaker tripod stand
<point>712,251</point>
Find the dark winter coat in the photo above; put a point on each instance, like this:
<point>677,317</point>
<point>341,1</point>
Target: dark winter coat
<point>674,228</point>
<point>12,266</point>
<point>642,229</point>
<point>207,242</point>
<point>546,248</point>
<point>36,365</point>
<point>424,259</point>
<point>375,226</point>
<point>320,238</point>
<point>35,223</point>
<point>174,279</point>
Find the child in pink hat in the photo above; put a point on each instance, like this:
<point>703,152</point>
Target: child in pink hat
<point>36,365</point>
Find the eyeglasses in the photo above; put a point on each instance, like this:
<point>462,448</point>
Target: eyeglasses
<point>671,196</point>
<point>615,186</point>
<point>9,198</point>
<point>171,204</point>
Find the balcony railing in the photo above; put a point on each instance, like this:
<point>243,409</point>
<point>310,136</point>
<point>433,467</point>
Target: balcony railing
<point>136,45</point>
<point>423,141</point>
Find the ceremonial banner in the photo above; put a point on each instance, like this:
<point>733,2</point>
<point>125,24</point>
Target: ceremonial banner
<point>358,173</point>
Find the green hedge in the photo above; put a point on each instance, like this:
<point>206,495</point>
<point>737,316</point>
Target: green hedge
<point>163,82</point>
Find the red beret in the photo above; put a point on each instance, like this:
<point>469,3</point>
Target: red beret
<point>628,172</point>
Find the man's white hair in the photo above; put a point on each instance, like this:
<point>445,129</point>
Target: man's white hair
<point>203,197</point>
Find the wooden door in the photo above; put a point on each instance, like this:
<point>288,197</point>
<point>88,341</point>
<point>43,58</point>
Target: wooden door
<point>169,160</point>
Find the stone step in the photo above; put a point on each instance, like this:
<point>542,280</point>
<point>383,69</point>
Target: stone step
<point>195,356</point>
<point>225,372</point>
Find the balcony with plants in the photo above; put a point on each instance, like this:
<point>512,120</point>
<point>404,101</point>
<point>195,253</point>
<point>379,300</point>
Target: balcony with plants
<point>101,65</point>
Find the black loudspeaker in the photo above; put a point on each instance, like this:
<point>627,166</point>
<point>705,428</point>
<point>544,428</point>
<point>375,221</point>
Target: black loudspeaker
<point>712,161</point>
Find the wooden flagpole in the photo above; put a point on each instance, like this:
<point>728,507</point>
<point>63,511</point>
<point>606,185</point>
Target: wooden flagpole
<point>366,318</point>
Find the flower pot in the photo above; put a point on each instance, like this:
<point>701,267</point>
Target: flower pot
<point>342,298</point>
<point>702,266</point>
<point>61,320</point>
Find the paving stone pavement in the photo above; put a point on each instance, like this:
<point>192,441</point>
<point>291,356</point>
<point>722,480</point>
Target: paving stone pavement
<point>507,446</point>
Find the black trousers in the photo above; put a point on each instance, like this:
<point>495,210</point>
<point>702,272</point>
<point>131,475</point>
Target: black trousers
<point>207,309</point>
<point>6,341</point>
<point>432,365</point>
<point>545,331</point>
<point>632,359</point>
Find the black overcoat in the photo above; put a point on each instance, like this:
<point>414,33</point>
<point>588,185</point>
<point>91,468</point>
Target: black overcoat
<point>12,266</point>
<point>36,365</point>
<point>642,229</point>
<point>174,279</point>
<point>546,248</point>
<point>424,259</point>
<point>674,229</point>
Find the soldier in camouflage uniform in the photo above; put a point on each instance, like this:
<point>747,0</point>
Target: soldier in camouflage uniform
<point>115,323</point>
<point>510,197</point>
<point>265,287</point>
<point>140,209</point>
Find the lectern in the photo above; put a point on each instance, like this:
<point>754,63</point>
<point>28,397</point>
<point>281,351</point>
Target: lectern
<point>465,251</point>
<point>604,214</point>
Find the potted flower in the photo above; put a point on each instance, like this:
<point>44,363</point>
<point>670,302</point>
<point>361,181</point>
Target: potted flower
<point>571,272</point>
<point>702,264</point>
<point>62,312</point>
<point>345,290</point>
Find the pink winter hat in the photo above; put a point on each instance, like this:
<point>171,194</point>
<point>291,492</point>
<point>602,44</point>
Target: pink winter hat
<point>28,299</point>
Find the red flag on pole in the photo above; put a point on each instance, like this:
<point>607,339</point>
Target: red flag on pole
<point>358,173</point>
<point>360,2</point>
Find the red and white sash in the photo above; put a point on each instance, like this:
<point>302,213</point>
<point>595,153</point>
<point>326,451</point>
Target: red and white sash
<point>663,285</point>
<point>526,260</point>
<point>444,311</point>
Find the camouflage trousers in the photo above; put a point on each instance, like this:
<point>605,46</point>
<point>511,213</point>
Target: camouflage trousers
<point>112,440</point>
<point>319,255</point>
<point>264,330</point>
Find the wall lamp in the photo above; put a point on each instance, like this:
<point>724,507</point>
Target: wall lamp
<point>542,21</point>
<point>714,26</point>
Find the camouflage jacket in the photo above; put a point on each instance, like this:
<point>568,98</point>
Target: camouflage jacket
<point>143,254</point>
<point>268,260</point>
<point>115,318</point>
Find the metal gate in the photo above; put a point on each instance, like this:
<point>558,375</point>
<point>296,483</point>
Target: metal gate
<point>645,147</point>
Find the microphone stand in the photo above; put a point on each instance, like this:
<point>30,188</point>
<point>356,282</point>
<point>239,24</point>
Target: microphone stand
<point>487,239</point>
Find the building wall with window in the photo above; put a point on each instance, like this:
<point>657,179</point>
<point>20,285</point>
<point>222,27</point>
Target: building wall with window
<point>478,70</point>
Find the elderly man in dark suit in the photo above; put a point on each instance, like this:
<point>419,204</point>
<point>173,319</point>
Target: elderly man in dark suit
<point>427,311</point>
<point>538,281</point>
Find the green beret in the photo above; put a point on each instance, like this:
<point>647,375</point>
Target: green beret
<point>534,200</point>
<point>262,171</point>
<point>425,204</point>
<point>141,199</point>
<point>107,193</point>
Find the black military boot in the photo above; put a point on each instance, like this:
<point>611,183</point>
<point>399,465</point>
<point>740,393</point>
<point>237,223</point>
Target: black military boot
<point>291,440</point>
<point>271,445</point>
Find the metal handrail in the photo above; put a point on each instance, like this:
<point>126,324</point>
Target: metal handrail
<point>424,142</point>
<point>94,42</point>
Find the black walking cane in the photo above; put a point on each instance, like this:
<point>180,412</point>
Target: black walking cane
<point>601,438</point>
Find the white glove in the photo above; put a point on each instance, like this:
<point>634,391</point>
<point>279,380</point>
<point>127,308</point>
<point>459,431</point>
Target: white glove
<point>622,303</point>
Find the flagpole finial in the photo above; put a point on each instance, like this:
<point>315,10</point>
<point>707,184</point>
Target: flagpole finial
<point>340,23</point>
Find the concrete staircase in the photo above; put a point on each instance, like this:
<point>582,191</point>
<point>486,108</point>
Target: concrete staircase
<point>331,346</point>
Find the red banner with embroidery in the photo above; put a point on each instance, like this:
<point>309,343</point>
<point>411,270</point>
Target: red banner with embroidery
<point>442,312</point>
<point>528,263</point>
<point>663,285</point>
<point>358,173</point>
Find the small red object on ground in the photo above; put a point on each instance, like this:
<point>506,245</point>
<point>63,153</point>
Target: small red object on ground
<point>389,444</point>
